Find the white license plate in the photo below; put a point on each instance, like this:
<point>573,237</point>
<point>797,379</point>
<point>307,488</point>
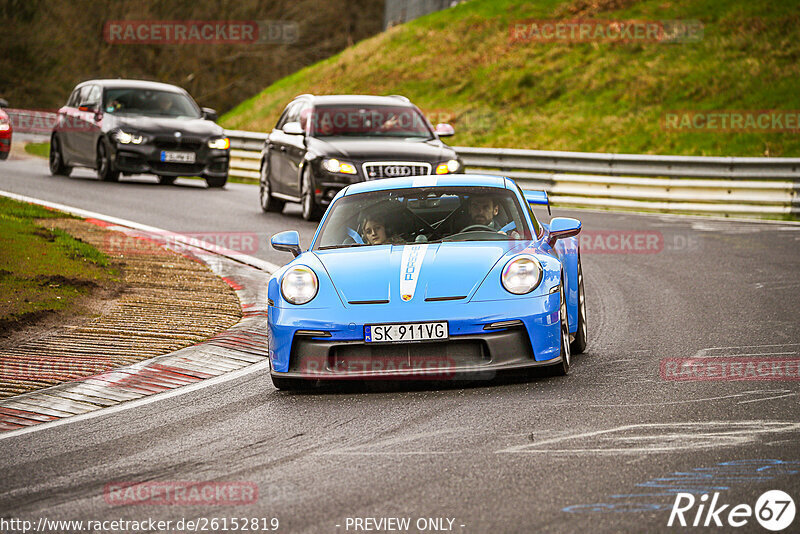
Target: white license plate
<point>394,333</point>
<point>177,157</point>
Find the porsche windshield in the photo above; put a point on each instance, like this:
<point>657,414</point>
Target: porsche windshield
<point>423,215</point>
<point>366,121</point>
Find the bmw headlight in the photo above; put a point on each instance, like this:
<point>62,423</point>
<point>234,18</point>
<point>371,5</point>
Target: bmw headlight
<point>335,166</point>
<point>299,285</point>
<point>448,167</point>
<point>220,143</point>
<point>521,275</point>
<point>127,138</point>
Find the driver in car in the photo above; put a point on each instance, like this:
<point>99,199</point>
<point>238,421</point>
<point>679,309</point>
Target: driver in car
<point>482,211</point>
<point>164,104</point>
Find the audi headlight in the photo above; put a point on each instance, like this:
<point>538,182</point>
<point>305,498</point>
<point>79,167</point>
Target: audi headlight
<point>448,167</point>
<point>521,275</point>
<point>299,285</point>
<point>220,143</point>
<point>127,138</point>
<point>335,166</point>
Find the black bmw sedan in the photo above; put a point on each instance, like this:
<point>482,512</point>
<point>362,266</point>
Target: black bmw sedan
<point>138,127</point>
<point>323,143</point>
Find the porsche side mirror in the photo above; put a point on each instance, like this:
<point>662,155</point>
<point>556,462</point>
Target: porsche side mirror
<point>288,241</point>
<point>210,114</point>
<point>562,227</point>
<point>444,130</point>
<point>293,128</point>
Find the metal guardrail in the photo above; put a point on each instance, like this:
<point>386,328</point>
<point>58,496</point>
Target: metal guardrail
<point>632,164</point>
<point>245,153</point>
<point>761,187</point>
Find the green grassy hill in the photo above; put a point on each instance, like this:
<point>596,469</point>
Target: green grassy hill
<point>461,64</point>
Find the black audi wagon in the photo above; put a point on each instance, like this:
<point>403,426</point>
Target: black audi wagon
<point>321,144</point>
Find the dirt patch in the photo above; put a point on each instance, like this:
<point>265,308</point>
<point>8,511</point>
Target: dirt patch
<point>44,234</point>
<point>59,280</point>
<point>35,326</point>
<point>161,302</point>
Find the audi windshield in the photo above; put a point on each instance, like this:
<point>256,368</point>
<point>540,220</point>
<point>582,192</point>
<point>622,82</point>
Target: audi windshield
<point>366,121</point>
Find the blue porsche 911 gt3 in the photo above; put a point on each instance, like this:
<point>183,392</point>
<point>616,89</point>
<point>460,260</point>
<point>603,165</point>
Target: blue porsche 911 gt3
<point>427,277</point>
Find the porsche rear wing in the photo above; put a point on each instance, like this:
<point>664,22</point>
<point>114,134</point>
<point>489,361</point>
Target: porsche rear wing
<point>539,198</point>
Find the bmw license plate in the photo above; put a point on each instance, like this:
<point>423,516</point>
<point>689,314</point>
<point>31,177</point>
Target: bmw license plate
<point>177,157</point>
<point>395,333</point>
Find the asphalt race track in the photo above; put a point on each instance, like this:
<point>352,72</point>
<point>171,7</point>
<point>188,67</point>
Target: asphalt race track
<point>603,450</point>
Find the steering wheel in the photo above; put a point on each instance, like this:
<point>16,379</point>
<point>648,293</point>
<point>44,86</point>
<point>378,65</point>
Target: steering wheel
<point>474,227</point>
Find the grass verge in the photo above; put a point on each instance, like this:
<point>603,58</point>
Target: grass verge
<point>43,270</point>
<point>38,149</point>
<point>596,96</point>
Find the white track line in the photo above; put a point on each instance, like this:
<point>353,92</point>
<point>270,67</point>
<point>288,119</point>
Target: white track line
<point>79,212</point>
<point>127,405</point>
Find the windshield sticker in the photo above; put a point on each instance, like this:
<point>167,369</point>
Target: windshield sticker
<point>424,181</point>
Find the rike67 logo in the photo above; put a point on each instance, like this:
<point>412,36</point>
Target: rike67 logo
<point>774,510</point>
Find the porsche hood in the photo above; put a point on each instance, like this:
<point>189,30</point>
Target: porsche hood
<point>412,273</point>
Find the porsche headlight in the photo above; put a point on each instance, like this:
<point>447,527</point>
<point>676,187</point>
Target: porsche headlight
<point>335,166</point>
<point>220,143</point>
<point>521,275</point>
<point>127,138</point>
<point>299,285</point>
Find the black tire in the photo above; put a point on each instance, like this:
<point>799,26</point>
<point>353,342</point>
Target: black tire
<point>268,202</point>
<point>578,344</point>
<point>289,384</point>
<point>311,210</point>
<point>562,368</point>
<point>105,169</point>
<point>56,159</point>
<point>216,181</point>
<point>166,180</point>
<point>4,155</point>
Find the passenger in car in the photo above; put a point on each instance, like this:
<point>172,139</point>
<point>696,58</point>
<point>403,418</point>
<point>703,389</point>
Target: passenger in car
<point>375,232</point>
